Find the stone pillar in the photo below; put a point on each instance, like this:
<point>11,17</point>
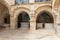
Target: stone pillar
<point>58,24</point>
<point>55,24</point>
<point>12,23</point>
<point>32,23</point>
<point>12,20</point>
<point>0,18</point>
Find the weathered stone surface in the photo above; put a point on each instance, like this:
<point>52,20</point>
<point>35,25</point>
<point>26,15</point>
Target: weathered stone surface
<point>8,7</point>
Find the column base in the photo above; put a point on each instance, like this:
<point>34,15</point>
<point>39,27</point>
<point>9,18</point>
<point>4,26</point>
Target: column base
<point>32,26</point>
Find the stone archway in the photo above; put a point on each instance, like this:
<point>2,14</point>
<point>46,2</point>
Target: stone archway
<point>45,20</point>
<point>23,20</point>
<point>5,3</point>
<point>17,12</point>
<point>4,16</point>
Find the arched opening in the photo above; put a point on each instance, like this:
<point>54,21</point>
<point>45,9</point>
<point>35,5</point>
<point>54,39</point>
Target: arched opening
<point>44,20</point>
<point>23,20</point>
<point>7,19</point>
<point>4,17</point>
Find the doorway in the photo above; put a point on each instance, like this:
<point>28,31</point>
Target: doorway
<point>23,20</point>
<point>44,20</point>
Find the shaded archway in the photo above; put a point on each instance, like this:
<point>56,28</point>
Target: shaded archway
<point>44,18</point>
<point>23,20</point>
<point>4,16</point>
<point>5,3</point>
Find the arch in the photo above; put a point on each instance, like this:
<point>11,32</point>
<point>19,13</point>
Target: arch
<point>23,19</point>
<point>43,19</point>
<point>43,6</point>
<point>48,9</point>
<point>5,13</point>
<point>3,2</point>
<point>6,18</point>
<point>20,8</point>
<point>4,8</point>
<point>6,5</point>
<point>19,11</point>
<point>49,12</point>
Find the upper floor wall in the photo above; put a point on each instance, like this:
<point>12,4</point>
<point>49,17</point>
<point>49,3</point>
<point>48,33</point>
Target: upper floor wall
<point>10,2</point>
<point>54,3</point>
<point>13,2</point>
<point>30,1</point>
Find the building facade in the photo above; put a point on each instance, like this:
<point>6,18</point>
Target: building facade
<point>37,14</point>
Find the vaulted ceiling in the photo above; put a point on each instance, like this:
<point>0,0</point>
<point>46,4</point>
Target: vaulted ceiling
<point>56,4</point>
<point>3,9</point>
<point>3,2</point>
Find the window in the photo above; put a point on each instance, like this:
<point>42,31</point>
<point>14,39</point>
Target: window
<point>22,1</point>
<point>47,0</point>
<point>37,0</point>
<point>41,0</point>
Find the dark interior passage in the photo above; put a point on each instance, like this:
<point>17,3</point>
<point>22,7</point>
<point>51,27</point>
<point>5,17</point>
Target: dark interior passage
<point>44,17</point>
<point>7,19</point>
<point>23,18</point>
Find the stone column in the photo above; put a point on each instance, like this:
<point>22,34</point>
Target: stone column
<point>55,24</point>
<point>58,23</point>
<point>12,23</point>
<point>32,18</point>
<point>0,18</point>
<point>12,20</point>
<point>32,23</point>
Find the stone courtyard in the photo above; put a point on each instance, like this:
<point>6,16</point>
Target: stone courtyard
<point>29,19</point>
<point>25,34</point>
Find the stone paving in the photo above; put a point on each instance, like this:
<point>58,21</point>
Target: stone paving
<point>25,34</point>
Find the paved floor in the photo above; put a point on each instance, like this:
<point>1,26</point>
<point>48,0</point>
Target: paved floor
<point>25,34</point>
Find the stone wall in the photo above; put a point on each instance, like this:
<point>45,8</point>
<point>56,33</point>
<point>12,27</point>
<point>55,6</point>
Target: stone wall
<point>33,9</point>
